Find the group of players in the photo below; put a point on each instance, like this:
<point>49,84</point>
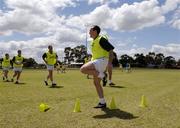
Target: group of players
<point>17,63</point>
<point>101,61</point>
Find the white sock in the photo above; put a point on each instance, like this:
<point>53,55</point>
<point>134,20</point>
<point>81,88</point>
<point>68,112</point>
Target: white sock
<point>110,81</point>
<point>102,101</point>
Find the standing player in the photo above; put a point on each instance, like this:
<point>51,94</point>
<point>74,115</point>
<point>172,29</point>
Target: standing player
<point>128,67</point>
<point>109,69</point>
<point>50,58</point>
<point>17,66</point>
<point>6,64</point>
<point>58,67</point>
<point>102,53</point>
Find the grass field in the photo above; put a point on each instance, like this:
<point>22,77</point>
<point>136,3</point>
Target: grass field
<point>19,103</point>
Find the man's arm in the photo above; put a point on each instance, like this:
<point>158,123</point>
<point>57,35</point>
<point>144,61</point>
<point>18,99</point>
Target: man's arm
<point>111,56</point>
<point>56,58</point>
<point>44,56</point>
<point>13,60</point>
<point>23,61</point>
<point>104,43</point>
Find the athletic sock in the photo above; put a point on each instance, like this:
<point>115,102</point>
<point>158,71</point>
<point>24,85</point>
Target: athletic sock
<point>102,101</point>
<point>110,81</point>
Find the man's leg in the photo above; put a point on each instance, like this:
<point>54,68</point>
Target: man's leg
<point>48,76</point>
<point>51,77</point>
<point>98,86</point>
<point>15,74</point>
<point>99,89</point>
<point>104,80</point>
<point>89,68</point>
<point>110,75</point>
<point>18,76</point>
<point>6,75</point>
<point>3,74</point>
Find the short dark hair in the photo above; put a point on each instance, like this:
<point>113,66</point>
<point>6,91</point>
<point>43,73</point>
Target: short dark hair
<point>50,46</point>
<point>19,51</point>
<point>97,28</point>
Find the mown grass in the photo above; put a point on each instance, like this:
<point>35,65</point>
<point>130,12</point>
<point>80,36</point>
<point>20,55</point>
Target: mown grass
<point>19,103</point>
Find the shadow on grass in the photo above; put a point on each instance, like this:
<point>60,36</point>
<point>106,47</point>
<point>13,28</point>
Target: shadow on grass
<point>115,113</point>
<point>21,83</point>
<point>116,86</point>
<point>7,81</point>
<point>56,87</point>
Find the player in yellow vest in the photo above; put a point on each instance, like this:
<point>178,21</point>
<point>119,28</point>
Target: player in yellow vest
<point>17,66</point>
<point>121,67</point>
<point>109,69</point>
<point>50,58</point>
<point>102,53</point>
<point>6,65</point>
<point>128,67</point>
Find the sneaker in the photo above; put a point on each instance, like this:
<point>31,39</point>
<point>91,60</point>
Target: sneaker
<point>3,78</point>
<point>16,82</point>
<point>87,76</point>
<point>53,85</point>
<point>46,83</point>
<point>100,105</point>
<point>104,79</point>
<point>12,80</point>
<point>112,84</point>
<point>7,80</point>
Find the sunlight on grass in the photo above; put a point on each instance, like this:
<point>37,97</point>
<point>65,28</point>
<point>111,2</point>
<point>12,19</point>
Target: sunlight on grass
<point>19,104</point>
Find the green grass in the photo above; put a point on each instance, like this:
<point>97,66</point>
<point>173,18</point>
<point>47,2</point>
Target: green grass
<point>19,103</point>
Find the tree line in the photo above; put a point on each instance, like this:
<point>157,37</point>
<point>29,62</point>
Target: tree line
<point>151,60</point>
<point>78,53</point>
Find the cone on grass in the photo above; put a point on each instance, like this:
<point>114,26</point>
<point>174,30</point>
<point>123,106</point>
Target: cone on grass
<point>112,104</point>
<point>143,102</point>
<point>43,107</point>
<point>77,107</point>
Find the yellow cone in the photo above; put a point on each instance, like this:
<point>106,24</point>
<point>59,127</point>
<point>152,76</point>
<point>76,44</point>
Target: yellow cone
<point>143,102</point>
<point>112,104</point>
<point>43,107</point>
<point>77,106</point>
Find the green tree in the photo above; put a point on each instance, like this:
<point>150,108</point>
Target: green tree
<point>75,54</point>
<point>159,59</point>
<point>30,62</point>
<point>124,59</point>
<point>169,62</point>
<point>140,60</point>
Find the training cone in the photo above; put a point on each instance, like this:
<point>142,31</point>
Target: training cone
<point>112,104</point>
<point>43,107</point>
<point>77,106</point>
<point>143,102</point>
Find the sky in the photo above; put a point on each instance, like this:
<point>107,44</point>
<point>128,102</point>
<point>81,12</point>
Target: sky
<point>132,26</point>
